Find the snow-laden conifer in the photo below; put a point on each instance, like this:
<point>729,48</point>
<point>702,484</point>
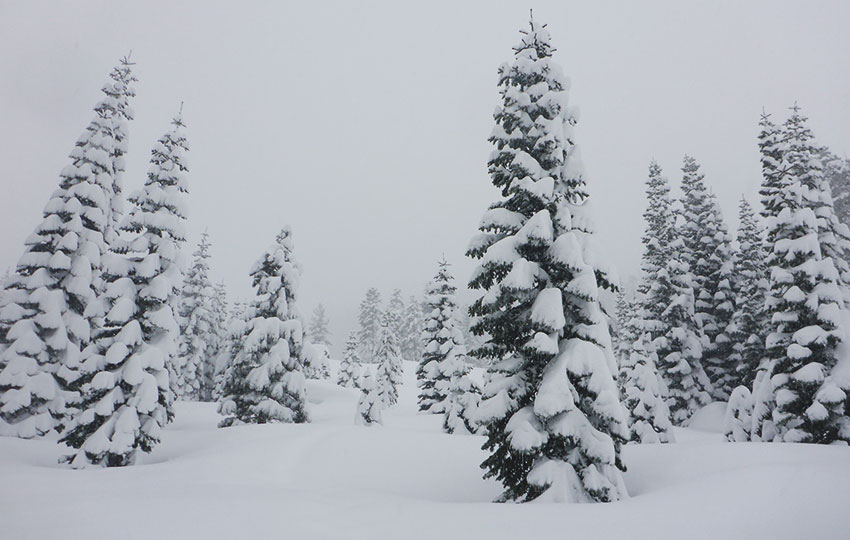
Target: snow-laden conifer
<point>350,367</point>
<point>319,331</point>
<point>553,417</point>
<point>707,253</point>
<point>658,217</point>
<point>441,339</point>
<point>805,297</point>
<point>266,382</point>
<point>679,349</point>
<point>645,394</point>
<point>462,397</point>
<point>370,323</point>
<point>749,320</point>
<point>738,422</point>
<point>123,377</point>
<point>370,405</point>
<point>198,341</point>
<point>388,373</point>
<point>44,325</point>
<point>720,362</point>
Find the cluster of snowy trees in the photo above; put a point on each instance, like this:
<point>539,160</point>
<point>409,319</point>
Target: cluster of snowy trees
<point>405,319</point>
<point>101,331</point>
<point>761,324</point>
<point>793,350</point>
<point>385,338</point>
<point>88,330</point>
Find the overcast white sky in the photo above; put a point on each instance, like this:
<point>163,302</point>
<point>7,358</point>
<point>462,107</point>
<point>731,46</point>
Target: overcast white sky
<point>364,124</point>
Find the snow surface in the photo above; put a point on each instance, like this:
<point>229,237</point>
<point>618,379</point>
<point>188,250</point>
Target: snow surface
<point>408,480</point>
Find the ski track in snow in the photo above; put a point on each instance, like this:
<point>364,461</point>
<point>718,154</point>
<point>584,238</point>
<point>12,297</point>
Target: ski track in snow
<point>408,480</point>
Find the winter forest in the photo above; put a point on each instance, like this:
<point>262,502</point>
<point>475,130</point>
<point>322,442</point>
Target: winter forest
<point>530,384</point>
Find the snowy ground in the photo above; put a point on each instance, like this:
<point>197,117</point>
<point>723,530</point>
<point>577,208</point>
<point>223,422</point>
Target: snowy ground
<point>332,479</point>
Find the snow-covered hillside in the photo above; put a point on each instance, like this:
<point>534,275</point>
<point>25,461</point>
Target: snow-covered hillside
<point>333,479</point>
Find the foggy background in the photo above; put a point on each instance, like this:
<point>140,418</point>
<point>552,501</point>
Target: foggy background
<point>364,125</point>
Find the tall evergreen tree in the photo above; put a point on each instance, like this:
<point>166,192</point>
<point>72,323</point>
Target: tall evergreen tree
<point>266,380</point>
<point>388,375</point>
<point>656,237</point>
<point>44,325</point>
<point>552,413</point>
<point>442,341</point>
<point>679,349</point>
<point>774,186</point>
<point>197,333</point>
<point>370,324</point>
<point>749,319</point>
<point>124,374</point>
<point>319,331</point>
<point>721,361</point>
<point>708,255</point>
<point>350,368</point>
<point>805,296</point>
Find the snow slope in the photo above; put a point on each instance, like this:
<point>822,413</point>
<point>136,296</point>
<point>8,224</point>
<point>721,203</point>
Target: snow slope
<point>405,480</point>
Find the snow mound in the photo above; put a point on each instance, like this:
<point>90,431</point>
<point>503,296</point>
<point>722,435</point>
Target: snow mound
<point>710,418</point>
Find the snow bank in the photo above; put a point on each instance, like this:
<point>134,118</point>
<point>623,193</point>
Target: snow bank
<point>407,480</point>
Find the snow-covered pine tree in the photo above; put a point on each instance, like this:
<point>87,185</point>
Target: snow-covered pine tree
<point>461,403</point>
<point>441,340</point>
<point>679,349</point>
<point>805,296</point>
<point>412,327</point>
<point>197,348</point>
<point>738,422</point>
<point>221,322</point>
<point>720,363</point>
<point>388,374</point>
<point>708,254</point>
<point>319,331</point>
<point>553,417</point>
<point>773,188</point>
<point>749,320</point>
<point>124,373</point>
<point>659,218</point>
<point>350,368</point>
<point>43,321</point>
<point>370,322</point>
<point>266,381</point>
<point>370,405</point>
<point>644,396</point>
